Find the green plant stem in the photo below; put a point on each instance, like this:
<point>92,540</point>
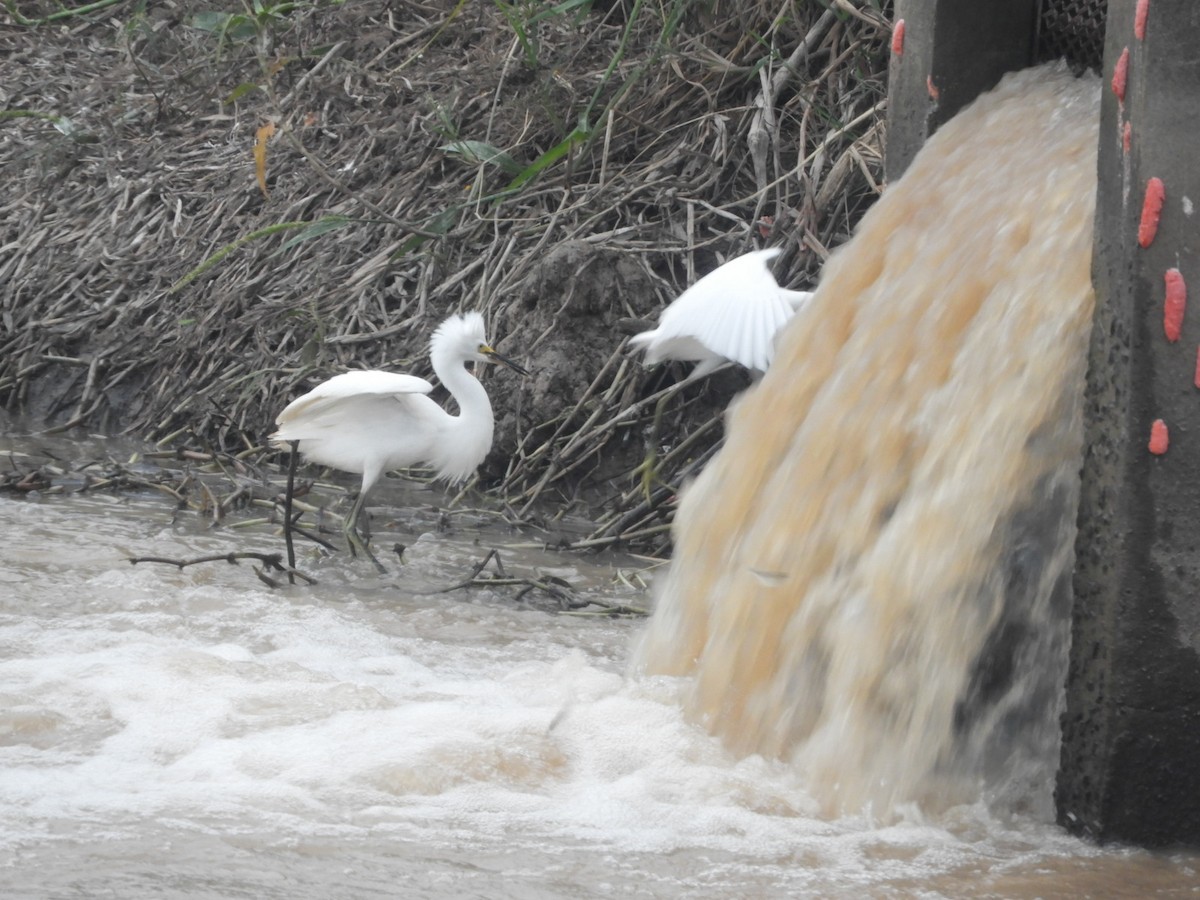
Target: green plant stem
<point>11,6</point>
<point>229,248</point>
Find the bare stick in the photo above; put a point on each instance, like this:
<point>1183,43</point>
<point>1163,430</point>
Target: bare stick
<point>287,508</point>
<point>270,560</point>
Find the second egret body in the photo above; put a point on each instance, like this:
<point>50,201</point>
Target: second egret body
<point>732,314</point>
<point>371,422</point>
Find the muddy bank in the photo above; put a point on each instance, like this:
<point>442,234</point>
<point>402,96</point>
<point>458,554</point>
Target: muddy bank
<point>562,168</point>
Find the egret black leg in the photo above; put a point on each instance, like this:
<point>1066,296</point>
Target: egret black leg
<point>354,538</point>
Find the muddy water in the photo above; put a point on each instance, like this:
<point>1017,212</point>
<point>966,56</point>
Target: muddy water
<point>193,733</point>
<point>883,598</point>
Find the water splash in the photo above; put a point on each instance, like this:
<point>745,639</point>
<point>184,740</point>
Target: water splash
<point>872,578</point>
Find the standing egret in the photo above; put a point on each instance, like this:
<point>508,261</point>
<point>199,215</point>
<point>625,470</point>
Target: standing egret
<point>731,315</point>
<point>372,422</point>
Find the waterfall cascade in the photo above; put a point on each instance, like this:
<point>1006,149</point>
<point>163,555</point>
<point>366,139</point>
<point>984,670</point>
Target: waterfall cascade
<point>872,579</point>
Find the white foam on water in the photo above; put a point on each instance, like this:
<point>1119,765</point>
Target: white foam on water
<point>147,706</point>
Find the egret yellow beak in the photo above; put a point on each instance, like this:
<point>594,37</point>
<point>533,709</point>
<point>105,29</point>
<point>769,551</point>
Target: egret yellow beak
<point>493,356</point>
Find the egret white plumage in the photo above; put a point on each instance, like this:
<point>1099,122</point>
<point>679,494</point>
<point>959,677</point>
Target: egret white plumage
<point>371,422</point>
<point>732,314</point>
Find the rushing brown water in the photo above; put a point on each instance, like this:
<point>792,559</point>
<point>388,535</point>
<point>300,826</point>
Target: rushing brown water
<point>904,477</point>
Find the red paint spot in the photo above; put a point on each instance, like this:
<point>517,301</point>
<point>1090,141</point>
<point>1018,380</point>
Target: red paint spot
<point>1120,74</point>
<point>1159,439</point>
<point>1126,136</point>
<point>1151,210</point>
<point>1174,305</point>
<point>934,93</point>
<point>898,38</point>
<point>1196,381</point>
<point>1139,19</point>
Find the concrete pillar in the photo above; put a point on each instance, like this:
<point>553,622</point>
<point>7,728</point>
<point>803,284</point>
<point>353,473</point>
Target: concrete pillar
<point>1130,767</point>
<point>949,52</point>
<point>1131,730</point>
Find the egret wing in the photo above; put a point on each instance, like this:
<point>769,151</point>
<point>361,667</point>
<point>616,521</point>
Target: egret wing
<point>735,311</point>
<point>340,389</point>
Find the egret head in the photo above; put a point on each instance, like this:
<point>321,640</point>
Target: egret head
<point>463,337</point>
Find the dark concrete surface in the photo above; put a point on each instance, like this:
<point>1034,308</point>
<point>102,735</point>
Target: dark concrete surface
<point>953,51</point>
<point>1130,765</point>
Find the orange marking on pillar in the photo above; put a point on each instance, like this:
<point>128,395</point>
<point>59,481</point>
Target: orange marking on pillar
<point>1121,74</point>
<point>1159,439</point>
<point>898,38</point>
<point>1152,206</point>
<point>1139,19</point>
<point>1174,305</point>
<point>934,93</point>
<point>1126,136</point>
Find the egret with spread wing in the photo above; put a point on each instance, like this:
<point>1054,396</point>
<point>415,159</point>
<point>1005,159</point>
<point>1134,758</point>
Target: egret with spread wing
<point>732,314</point>
<point>372,422</point>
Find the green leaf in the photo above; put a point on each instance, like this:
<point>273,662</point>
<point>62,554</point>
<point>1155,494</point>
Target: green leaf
<point>211,21</point>
<point>550,157</point>
<point>323,225</point>
<point>439,224</point>
<point>559,8</point>
<point>234,26</point>
<point>53,118</point>
<point>475,153</point>
<point>527,42</point>
<point>240,91</point>
<point>61,123</point>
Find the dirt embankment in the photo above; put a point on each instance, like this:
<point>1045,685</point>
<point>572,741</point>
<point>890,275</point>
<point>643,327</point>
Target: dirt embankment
<point>562,167</point>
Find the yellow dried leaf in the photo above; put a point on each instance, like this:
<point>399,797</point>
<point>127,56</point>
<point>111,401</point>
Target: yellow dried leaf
<point>261,137</point>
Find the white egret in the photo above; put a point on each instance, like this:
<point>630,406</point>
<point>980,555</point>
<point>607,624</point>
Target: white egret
<point>371,422</point>
<point>732,314</point>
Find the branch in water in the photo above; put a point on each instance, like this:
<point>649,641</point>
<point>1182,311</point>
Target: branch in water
<point>557,588</point>
<point>271,561</point>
